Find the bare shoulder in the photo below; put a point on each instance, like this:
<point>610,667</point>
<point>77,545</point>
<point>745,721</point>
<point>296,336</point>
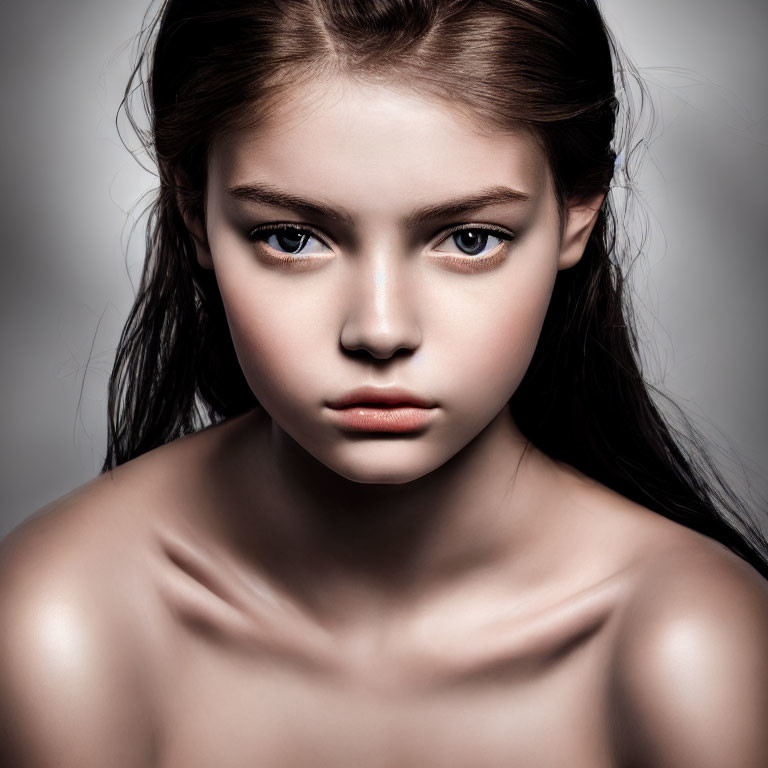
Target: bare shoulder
<point>71,683</point>
<point>84,635</point>
<point>688,666</point>
<point>690,671</point>
<point>79,624</point>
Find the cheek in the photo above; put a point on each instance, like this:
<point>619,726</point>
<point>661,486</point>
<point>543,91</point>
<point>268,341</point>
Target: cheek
<point>278,331</point>
<point>490,333</point>
<point>478,332</point>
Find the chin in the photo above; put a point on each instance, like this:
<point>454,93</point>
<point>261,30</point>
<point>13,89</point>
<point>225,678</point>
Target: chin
<point>381,478</point>
<point>381,470</point>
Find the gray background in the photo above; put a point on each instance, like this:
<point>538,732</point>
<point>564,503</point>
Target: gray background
<point>68,186</point>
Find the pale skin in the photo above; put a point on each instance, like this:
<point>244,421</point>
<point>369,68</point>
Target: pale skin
<point>275,591</point>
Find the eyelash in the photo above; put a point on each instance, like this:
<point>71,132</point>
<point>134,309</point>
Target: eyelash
<point>467,262</point>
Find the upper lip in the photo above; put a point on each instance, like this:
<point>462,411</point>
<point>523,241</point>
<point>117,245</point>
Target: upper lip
<point>380,396</point>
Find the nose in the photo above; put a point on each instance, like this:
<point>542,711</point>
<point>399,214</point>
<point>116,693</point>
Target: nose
<point>382,317</point>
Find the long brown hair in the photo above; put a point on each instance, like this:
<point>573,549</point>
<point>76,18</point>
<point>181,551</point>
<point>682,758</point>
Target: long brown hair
<point>207,66</point>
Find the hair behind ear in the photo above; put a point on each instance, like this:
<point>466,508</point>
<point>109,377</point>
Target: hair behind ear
<point>579,223</point>
<point>190,200</point>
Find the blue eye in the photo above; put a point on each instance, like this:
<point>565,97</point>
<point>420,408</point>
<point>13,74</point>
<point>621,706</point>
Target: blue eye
<point>472,241</point>
<point>285,238</point>
<point>292,240</point>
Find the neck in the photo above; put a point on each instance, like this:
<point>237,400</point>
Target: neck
<point>335,542</point>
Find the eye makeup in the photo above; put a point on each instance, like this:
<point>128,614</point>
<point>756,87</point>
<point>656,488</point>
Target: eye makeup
<point>302,233</point>
<point>258,237</point>
<point>263,232</point>
<point>472,263</point>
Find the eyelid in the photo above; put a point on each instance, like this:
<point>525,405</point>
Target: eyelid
<point>506,234</point>
<point>290,226</point>
<point>502,232</point>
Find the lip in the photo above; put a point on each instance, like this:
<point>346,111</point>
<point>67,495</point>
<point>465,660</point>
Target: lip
<point>381,397</point>
<point>382,409</point>
<point>363,418</point>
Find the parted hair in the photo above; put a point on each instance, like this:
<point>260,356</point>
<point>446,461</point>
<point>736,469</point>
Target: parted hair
<point>205,67</point>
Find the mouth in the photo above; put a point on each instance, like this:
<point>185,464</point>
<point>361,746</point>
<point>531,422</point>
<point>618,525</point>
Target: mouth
<point>382,409</point>
<point>388,398</point>
<point>379,417</point>
<point>380,404</point>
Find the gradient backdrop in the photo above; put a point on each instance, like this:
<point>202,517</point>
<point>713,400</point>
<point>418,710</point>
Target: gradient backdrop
<point>68,187</point>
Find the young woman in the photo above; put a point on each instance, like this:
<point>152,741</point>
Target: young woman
<point>436,518</point>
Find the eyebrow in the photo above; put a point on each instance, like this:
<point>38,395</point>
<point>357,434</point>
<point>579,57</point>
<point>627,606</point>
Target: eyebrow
<point>266,194</point>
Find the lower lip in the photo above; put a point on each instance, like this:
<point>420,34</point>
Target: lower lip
<point>363,418</point>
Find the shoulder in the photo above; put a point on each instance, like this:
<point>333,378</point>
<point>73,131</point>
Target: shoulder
<point>690,670</point>
<point>71,688</point>
<point>84,633</point>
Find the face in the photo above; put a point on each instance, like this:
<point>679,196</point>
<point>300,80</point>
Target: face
<point>378,281</point>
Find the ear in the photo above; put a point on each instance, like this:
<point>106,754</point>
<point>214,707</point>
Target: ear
<point>580,219</point>
<point>193,221</point>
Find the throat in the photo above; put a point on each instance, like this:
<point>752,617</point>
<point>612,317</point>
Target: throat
<point>329,541</point>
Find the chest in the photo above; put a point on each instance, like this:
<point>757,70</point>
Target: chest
<point>260,710</point>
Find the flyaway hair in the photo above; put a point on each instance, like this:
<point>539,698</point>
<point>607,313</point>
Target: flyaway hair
<point>549,67</point>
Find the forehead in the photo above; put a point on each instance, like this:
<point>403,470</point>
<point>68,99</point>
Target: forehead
<point>376,144</point>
